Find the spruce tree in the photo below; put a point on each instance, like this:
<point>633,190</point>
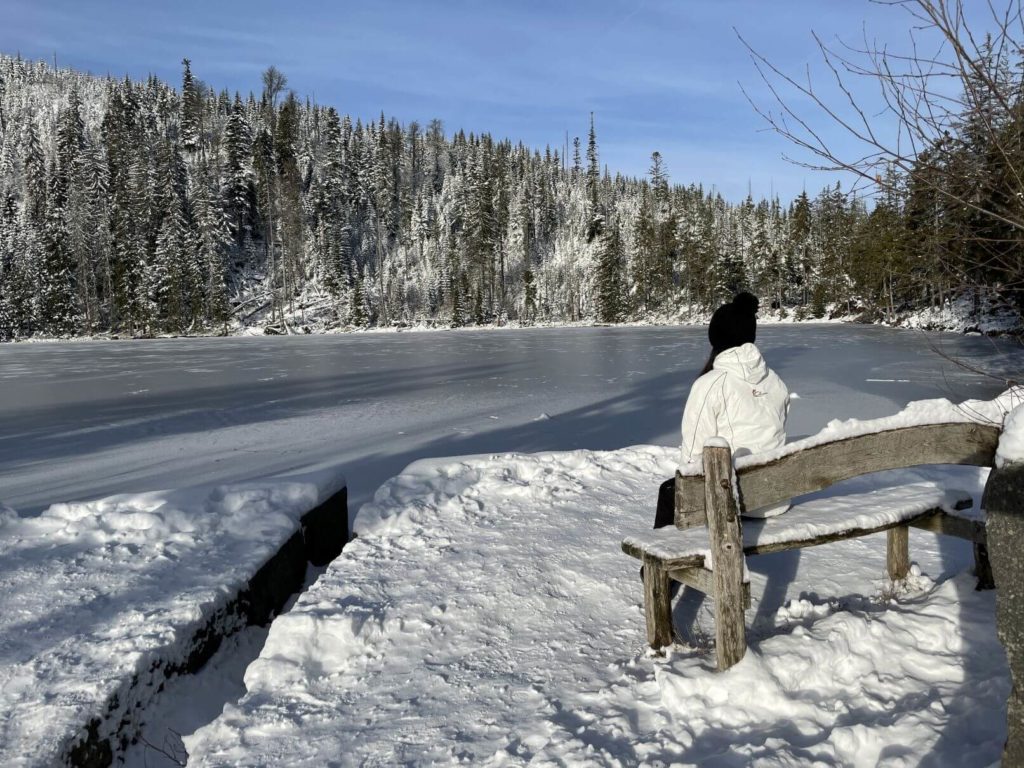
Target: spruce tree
<point>237,189</point>
<point>644,245</point>
<point>57,307</point>
<point>799,266</point>
<point>15,287</point>
<point>191,110</point>
<point>213,235</point>
<point>609,276</point>
<point>289,186</point>
<point>34,179</point>
<point>594,214</point>
<point>357,316</point>
<point>166,278</point>
<point>730,275</point>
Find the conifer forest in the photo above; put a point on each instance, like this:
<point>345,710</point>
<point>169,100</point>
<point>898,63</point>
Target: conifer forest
<point>140,208</point>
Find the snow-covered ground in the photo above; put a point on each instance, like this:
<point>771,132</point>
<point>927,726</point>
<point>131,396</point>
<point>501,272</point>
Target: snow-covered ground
<point>83,420</point>
<point>486,616</point>
<point>100,602</point>
<point>532,599</point>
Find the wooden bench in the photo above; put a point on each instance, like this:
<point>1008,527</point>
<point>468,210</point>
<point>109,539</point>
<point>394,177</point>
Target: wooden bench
<point>706,548</point>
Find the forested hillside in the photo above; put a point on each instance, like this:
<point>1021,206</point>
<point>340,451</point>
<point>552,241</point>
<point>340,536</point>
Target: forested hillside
<point>137,208</point>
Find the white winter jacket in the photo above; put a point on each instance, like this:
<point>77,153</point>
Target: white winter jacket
<point>742,400</point>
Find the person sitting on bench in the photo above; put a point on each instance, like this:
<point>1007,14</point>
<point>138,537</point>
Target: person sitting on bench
<point>737,397</point>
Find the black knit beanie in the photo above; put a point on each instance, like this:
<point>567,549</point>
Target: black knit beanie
<point>735,323</point>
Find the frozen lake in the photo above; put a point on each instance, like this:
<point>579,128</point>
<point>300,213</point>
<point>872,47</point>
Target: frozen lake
<point>88,419</point>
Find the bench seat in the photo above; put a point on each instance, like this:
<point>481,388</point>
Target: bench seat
<point>815,522</point>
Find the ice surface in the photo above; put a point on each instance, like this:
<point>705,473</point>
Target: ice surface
<point>486,616</point>
<point>94,593</point>
<point>89,419</point>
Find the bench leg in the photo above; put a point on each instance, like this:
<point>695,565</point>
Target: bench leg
<point>982,567</point>
<point>897,558</point>
<point>730,627</point>
<point>657,604</point>
<point>726,555</point>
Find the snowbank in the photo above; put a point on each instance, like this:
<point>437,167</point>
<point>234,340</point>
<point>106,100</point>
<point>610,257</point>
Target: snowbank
<point>1011,439</point>
<point>101,601</point>
<point>486,616</point>
<point>990,316</point>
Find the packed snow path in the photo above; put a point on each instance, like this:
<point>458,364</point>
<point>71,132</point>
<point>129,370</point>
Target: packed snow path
<point>485,616</point>
<point>89,419</point>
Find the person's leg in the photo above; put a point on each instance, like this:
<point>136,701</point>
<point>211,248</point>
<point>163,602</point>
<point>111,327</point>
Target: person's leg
<point>666,511</point>
<point>665,514</point>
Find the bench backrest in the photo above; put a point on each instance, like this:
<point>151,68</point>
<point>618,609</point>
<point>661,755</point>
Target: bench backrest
<point>817,467</point>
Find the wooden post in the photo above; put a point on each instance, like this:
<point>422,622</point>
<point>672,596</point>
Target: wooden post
<point>727,555</point>
<point>657,603</point>
<point>897,552</point>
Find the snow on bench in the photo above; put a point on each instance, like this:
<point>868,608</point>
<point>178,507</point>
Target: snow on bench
<point>101,602</point>
<point>818,520</point>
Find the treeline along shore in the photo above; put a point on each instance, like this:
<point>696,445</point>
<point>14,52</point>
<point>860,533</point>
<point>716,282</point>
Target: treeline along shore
<point>137,208</point>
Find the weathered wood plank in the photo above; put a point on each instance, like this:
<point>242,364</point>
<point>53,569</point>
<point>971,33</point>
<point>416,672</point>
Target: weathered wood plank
<point>690,512</point>
<point>813,469</point>
<point>934,520</point>
<point>726,556</point>
<point>633,551</point>
<point>668,563</point>
<point>951,525</point>
<point>897,552</point>
<point>701,579</point>
<point>923,520</point>
<point>657,603</point>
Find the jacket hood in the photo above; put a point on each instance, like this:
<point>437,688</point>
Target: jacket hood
<point>744,361</point>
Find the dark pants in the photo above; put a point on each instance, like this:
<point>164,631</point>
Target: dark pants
<point>666,512</point>
<point>665,515</point>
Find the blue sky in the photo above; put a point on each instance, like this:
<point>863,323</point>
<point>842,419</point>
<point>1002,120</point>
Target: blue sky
<point>659,75</point>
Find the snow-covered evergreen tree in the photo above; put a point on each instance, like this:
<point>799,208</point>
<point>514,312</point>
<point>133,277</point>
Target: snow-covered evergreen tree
<point>130,207</point>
